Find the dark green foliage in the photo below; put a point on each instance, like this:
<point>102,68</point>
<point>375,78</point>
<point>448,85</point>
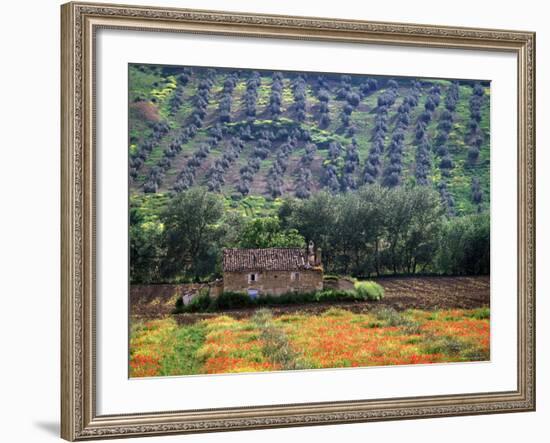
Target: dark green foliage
<point>392,173</point>
<point>477,194</point>
<point>373,164</point>
<point>446,163</point>
<point>475,135</point>
<point>146,252</point>
<point>224,107</point>
<point>232,300</point>
<point>374,230</point>
<point>465,245</point>
<point>251,95</point>
<point>189,231</point>
<point>247,136</point>
<point>200,303</point>
<point>267,233</point>
<point>240,300</point>
<point>276,98</point>
<point>279,166</point>
<point>447,199</point>
<point>304,180</point>
<point>423,162</point>
<point>299,91</point>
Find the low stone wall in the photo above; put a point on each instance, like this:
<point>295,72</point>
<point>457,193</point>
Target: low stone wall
<point>161,299</point>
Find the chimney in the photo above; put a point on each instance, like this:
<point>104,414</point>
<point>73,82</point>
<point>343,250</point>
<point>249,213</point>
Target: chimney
<point>318,257</point>
<point>311,254</point>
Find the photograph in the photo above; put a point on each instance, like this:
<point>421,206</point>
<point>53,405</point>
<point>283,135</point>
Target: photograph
<point>285,220</point>
<point>290,217</point>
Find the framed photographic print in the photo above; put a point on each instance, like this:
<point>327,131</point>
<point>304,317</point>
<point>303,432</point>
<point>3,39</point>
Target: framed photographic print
<point>282,221</point>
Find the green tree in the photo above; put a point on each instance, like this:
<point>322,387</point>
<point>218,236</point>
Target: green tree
<point>374,198</point>
<point>412,219</point>
<point>372,230</point>
<point>191,222</point>
<point>231,228</point>
<point>315,219</point>
<point>358,229</point>
<point>422,234</point>
<point>266,232</point>
<point>146,251</point>
<point>465,245</point>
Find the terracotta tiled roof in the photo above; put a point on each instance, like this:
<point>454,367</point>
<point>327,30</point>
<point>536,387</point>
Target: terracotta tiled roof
<point>269,259</point>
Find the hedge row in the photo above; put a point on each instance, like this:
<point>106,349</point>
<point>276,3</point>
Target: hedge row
<point>203,302</point>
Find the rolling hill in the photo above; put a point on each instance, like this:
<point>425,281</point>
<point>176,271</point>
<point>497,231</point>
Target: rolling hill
<point>258,136</point>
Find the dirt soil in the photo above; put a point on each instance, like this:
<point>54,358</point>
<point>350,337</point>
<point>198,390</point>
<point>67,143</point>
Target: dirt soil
<point>401,293</point>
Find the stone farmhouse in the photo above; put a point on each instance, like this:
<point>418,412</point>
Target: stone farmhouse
<point>272,271</point>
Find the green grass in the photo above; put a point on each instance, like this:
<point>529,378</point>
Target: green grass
<point>481,313</point>
<point>187,341</point>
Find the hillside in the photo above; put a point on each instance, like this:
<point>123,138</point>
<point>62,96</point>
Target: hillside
<point>256,136</point>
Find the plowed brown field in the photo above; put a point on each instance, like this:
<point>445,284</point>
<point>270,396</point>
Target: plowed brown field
<point>401,293</point>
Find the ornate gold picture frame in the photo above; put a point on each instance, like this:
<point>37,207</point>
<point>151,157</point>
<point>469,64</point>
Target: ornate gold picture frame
<point>80,22</point>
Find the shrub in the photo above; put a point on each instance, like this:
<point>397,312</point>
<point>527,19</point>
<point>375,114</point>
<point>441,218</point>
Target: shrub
<point>390,317</point>
<point>287,298</point>
<point>230,300</point>
<point>201,303</point>
<point>179,306</point>
<point>297,297</point>
<point>262,317</point>
<point>337,295</point>
<point>276,345</point>
<point>369,290</point>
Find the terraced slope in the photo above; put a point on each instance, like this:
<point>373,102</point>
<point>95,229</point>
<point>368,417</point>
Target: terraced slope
<point>257,136</point>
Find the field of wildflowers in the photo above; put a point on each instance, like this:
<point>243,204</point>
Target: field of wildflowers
<point>334,339</point>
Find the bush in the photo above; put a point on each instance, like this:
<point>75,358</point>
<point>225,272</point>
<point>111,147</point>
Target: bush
<point>230,300</point>
<point>332,295</point>
<point>179,306</point>
<point>276,345</point>
<point>201,303</point>
<point>287,298</point>
<point>328,295</point>
<point>369,290</point>
<point>388,316</point>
